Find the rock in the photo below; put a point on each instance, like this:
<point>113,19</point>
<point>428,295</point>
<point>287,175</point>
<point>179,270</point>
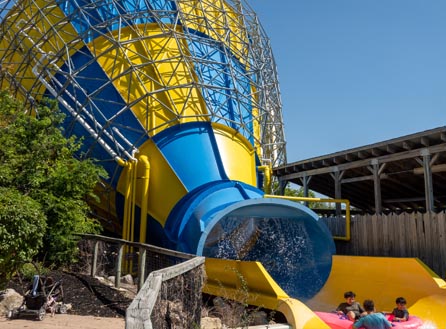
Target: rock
<point>211,323</point>
<point>9,299</point>
<point>128,279</point>
<point>230,312</point>
<point>259,318</point>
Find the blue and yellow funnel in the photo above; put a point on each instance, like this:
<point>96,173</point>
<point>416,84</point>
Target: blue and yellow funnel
<point>179,101</point>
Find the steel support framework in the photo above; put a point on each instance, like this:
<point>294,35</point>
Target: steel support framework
<point>46,43</point>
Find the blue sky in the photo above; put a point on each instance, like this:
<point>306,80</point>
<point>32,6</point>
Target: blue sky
<point>356,72</point>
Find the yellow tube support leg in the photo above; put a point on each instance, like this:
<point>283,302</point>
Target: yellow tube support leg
<point>145,178</point>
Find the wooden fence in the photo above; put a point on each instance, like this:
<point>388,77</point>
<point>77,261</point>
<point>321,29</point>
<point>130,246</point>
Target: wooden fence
<point>404,235</point>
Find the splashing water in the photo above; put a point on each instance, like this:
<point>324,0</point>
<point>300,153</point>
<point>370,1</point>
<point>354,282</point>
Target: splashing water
<point>283,245</point>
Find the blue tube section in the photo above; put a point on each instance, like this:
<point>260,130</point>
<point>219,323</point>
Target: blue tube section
<point>287,238</point>
<point>224,218</point>
<point>230,220</point>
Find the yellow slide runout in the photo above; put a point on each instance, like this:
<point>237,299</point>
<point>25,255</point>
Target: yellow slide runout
<point>383,279</point>
<point>249,283</point>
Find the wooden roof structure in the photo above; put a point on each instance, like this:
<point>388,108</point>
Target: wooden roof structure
<point>404,174</point>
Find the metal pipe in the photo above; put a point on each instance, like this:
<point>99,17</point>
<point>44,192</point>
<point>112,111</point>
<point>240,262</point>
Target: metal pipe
<point>145,179</point>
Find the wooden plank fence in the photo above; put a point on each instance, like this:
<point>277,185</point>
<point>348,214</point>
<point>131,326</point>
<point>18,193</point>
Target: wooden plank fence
<point>397,235</point>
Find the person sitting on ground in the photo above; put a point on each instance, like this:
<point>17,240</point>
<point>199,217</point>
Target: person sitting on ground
<point>400,313</point>
<point>372,320</point>
<point>351,308</point>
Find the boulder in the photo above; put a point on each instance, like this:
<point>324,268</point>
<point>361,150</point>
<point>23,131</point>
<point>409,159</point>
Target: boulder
<point>9,299</point>
<point>211,323</point>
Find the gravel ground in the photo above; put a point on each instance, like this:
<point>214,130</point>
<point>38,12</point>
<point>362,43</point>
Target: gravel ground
<point>87,296</point>
<point>93,305</point>
<point>65,321</point>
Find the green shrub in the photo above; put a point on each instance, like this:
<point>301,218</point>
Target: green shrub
<point>23,225</point>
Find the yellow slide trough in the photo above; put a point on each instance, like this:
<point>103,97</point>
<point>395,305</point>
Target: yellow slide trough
<point>379,278</point>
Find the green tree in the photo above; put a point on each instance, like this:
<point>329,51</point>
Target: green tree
<point>39,162</point>
<point>22,228</point>
<point>300,192</point>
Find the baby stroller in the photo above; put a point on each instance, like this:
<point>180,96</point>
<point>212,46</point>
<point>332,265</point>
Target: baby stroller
<point>45,295</point>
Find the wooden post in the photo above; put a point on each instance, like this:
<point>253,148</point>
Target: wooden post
<point>142,266</point>
<point>119,266</point>
<point>95,258</point>
<point>337,176</point>
<point>282,186</point>
<point>305,180</point>
<point>428,189</point>
<point>376,170</point>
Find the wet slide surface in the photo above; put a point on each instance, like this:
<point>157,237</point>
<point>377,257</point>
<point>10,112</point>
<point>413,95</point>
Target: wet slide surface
<point>381,279</point>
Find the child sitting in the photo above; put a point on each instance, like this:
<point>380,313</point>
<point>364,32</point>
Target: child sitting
<point>351,308</point>
<point>400,313</point>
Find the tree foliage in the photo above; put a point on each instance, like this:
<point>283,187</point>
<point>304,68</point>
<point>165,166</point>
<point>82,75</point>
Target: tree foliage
<point>22,228</point>
<point>300,192</point>
<point>44,167</point>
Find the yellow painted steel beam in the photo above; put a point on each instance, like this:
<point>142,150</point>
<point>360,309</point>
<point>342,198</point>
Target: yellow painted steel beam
<point>165,188</point>
<point>145,179</point>
<point>166,94</point>
<point>267,175</point>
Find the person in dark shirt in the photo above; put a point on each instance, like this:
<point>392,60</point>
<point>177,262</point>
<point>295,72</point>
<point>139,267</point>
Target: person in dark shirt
<point>351,308</point>
<point>400,313</point>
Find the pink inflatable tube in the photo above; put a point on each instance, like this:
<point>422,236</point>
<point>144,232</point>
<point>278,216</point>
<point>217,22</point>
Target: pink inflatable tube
<point>335,321</point>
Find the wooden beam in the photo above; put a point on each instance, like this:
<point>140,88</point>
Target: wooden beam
<point>349,157</point>
<point>361,178</point>
<point>433,159</point>
<point>377,187</point>
<point>434,169</point>
<point>282,186</point>
<point>391,148</point>
<point>337,176</point>
<point>356,179</point>
<point>407,145</point>
<point>363,163</point>
<point>337,160</point>
<point>305,181</point>
<point>376,152</point>
<point>424,141</point>
<point>408,187</point>
<point>381,169</point>
<point>428,187</point>
<point>404,200</point>
<point>306,166</point>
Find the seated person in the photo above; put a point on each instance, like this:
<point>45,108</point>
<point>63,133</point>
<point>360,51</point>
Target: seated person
<point>400,313</point>
<point>351,308</point>
<point>372,320</point>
